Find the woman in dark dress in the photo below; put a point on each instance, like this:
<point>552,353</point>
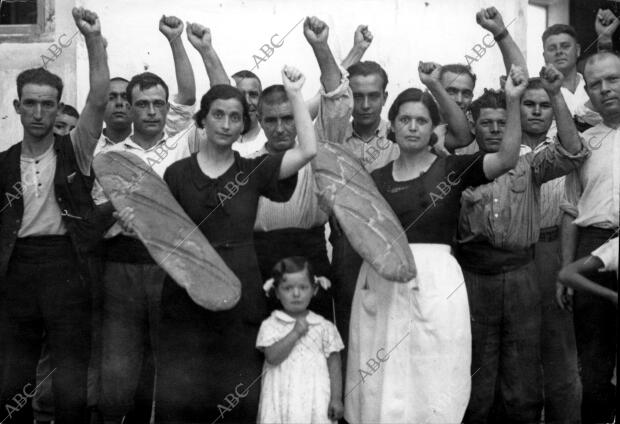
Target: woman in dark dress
<point>418,332</point>
<point>208,368</point>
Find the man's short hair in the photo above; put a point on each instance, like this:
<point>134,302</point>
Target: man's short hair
<point>457,68</point>
<point>595,57</point>
<point>246,74</point>
<point>38,76</point>
<point>366,68</point>
<point>491,99</point>
<point>69,110</point>
<point>119,79</point>
<point>534,83</point>
<point>559,29</point>
<point>274,94</point>
<point>145,81</point>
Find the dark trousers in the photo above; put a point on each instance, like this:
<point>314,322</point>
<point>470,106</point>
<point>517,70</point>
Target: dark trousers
<point>505,313</point>
<point>346,264</point>
<point>131,314</point>
<point>272,246</point>
<point>562,386</point>
<point>596,331</point>
<point>43,293</point>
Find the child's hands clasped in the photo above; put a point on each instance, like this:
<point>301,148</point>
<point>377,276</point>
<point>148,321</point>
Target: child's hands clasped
<point>301,326</point>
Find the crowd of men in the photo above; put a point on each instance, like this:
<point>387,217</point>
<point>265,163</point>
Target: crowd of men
<point>79,295</point>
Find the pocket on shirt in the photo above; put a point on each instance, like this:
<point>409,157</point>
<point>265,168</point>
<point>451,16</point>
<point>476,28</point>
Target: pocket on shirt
<point>519,182</point>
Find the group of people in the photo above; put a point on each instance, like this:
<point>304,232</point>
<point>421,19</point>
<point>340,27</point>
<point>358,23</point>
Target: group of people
<point>498,197</point>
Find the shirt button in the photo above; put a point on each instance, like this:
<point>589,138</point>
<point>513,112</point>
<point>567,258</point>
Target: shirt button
<point>495,215</point>
<point>496,200</point>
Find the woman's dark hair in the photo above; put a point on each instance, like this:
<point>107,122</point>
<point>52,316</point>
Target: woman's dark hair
<point>290,265</point>
<point>419,96</point>
<point>222,92</point>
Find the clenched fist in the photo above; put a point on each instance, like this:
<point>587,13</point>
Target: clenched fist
<point>171,27</point>
<point>551,79</point>
<point>315,30</point>
<point>362,37</point>
<point>491,20</point>
<point>199,36</point>
<point>86,21</point>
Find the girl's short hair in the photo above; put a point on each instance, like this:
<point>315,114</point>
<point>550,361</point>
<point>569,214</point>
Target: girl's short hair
<point>290,265</point>
<point>222,92</point>
<point>418,96</point>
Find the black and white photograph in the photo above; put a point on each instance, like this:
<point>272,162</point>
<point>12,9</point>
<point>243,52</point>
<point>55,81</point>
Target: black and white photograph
<point>309,211</point>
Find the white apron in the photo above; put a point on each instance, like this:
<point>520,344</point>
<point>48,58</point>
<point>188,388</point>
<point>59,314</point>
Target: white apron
<point>410,344</point>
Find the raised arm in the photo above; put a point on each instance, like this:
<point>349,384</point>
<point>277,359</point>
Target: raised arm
<point>605,24</point>
<point>361,41</point>
<point>88,130</point>
<point>172,28</point>
<point>500,162</point>
<point>305,150</point>
<point>491,20</point>
<point>458,127</point>
<point>316,32</point>
<point>200,37</point>
<point>552,80</point>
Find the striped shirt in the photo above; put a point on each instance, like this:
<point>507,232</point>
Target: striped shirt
<point>301,211</point>
<point>506,212</point>
<point>551,194</point>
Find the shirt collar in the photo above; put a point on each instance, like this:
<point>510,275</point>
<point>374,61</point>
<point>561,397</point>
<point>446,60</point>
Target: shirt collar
<point>128,142</point>
<point>311,318</point>
<point>380,132</point>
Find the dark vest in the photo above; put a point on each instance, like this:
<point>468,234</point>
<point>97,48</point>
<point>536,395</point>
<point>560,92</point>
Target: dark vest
<point>72,190</point>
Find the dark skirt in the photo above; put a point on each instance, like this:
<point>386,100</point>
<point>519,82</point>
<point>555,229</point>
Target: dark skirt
<point>208,369</point>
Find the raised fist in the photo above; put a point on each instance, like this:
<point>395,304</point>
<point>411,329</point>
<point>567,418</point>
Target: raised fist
<point>315,30</point>
<point>292,79</point>
<point>551,79</point>
<point>86,21</point>
<point>362,37</point>
<point>429,72</point>
<point>515,83</point>
<point>199,36</point>
<point>171,27</point>
<point>605,23</point>
<point>491,20</point>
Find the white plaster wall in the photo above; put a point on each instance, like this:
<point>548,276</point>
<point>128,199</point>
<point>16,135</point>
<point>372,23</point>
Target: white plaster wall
<point>405,32</point>
<point>16,57</point>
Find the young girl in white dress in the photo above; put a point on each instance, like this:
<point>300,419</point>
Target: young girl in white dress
<point>302,377</point>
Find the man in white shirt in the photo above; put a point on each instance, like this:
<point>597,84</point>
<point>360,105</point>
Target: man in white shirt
<point>592,194</point>
<point>561,49</point>
<point>132,281</point>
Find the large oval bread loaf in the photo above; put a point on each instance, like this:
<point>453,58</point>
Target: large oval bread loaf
<point>349,192</point>
<point>171,237</point>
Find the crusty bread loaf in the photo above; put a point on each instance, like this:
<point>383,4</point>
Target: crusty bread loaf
<point>171,237</point>
<point>348,191</point>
